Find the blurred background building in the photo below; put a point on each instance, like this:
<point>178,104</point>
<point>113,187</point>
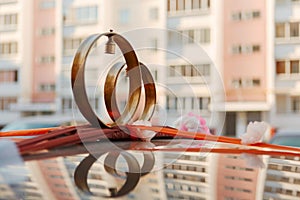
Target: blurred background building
<point>282,178</point>
<point>252,46</point>
<point>181,175</point>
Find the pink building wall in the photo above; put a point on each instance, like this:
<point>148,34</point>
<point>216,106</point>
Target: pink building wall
<point>245,65</point>
<point>235,179</point>
<point>43,45</point>
<point>55,179</point>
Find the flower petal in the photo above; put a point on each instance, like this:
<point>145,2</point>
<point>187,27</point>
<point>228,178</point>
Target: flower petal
<point>144,135</point>
<point>255,132</point>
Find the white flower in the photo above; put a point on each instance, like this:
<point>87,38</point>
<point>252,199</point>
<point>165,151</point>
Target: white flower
<point>144,135</point>
<point>255,132</point>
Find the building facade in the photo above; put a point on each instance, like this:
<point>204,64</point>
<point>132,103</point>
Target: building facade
<point>245,63</point>
<point>193,63</point>
<point>12,55</point>
<point>282,178</point>
<point>238,58</point>
<point>285,112</point>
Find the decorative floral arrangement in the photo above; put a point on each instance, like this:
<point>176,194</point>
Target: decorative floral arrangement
<point>192,122</point>
<point>255,132</point>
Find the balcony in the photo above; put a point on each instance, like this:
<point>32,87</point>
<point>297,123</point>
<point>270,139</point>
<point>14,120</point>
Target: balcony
<point>10,89</point>
<point>33,107</point>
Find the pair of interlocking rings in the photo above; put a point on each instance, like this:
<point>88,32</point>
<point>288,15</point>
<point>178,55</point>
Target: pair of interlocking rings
<point>132,177</point>
<point>141,84</point>
<point>139,78</point>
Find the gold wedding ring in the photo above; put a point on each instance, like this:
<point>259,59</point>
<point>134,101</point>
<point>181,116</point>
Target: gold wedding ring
<point>140,79</point>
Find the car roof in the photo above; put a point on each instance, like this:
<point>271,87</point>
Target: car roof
<point>287,133</point>
<point>38,122</point>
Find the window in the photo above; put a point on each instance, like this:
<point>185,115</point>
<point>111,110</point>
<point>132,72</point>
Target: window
<point>8,21</point>
<point>7,48</point>
<point>153,13</point>
<point>204,36</point>
<point>287,67</point>
<point>66,104</point>
<point>171,103</point>
<point>280,30</point>
<point>171,5</point>
<point>87,14</point>
<point>180,5</point>
<point>255,82</point>
<point>239,49</point>
<point>56,176</point>
<point>203,103</point>
<point>181,103</point>
<point>247,15</point>
<point>46,87</point>
<point>172,72</point>
<point>196,4</point>
<point>189,70</point>
<point>295,104</point>
<point>245,82</point>
<point>280,67</point>
<point>251,117</point>
<point>5,102</point>
<point>47,31</point>
<point>191,36</point>
<point>294,66</point>
<point>256,14</point>
<point>124,16</point>
<point>236,16</point>
<point>71,44</point>
<point>294,29</point>
<point>201,35</point>
<point>236,83</point>
<point>236,49</point>
<point>255,48</point>
<point>47,59</point>
<point>8,76</point>
<point>203,69</point>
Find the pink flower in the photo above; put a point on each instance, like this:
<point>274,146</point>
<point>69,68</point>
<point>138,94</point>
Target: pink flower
<point>192,123</point>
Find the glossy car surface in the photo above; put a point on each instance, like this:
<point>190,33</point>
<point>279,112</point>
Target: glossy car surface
<point>287,138</point>
<point>117,169</point>
<point>37,122</point>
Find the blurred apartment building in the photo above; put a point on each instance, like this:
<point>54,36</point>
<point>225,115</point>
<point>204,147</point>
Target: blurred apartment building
<point>176,176</point>
<point>246,63</point>
<point>282,178</point>
<point>251,46</point>
<point>193,79</point>
<point>189,176</point>
<point>235,178</point>
<point>285,112</point>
